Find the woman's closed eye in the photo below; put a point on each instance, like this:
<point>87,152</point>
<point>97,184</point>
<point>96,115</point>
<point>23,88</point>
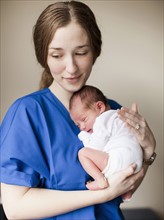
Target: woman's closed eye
<point>57,56</point>
<point>81,53</point>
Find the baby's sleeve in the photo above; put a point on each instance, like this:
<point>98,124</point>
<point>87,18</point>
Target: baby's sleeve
<point>96,140</point>
<point>84,136</point>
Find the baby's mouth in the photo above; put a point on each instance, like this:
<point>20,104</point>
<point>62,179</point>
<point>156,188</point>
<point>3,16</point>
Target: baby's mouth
<point>90,131</point>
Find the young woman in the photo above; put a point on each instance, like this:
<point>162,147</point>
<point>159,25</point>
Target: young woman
<point>40,172</point>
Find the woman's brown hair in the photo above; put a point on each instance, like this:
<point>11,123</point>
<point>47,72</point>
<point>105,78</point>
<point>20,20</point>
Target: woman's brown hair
<point>59,15</point>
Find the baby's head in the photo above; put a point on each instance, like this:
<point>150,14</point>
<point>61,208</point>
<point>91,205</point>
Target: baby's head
<point>85,105</point>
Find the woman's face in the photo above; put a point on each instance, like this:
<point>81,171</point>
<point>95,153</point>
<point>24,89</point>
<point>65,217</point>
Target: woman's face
<point>70,57</point>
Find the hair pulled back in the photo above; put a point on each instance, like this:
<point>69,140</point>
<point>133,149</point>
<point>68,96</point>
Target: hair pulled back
<point>59,15</point>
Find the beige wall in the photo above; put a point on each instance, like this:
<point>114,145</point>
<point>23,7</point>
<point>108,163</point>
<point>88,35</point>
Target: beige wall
<point>129,69</point>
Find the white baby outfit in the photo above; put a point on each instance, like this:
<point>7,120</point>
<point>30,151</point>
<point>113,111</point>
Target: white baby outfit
<point>111,135</point>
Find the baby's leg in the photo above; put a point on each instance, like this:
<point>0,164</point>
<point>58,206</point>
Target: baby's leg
<point>94,161</point>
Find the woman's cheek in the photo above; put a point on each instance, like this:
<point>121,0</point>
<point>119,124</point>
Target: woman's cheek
<point>88,63</point>
<point>55,67</point>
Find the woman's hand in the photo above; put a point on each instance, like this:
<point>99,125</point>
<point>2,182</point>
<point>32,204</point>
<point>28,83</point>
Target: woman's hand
<point>138,125</point>
<point>122,182</point>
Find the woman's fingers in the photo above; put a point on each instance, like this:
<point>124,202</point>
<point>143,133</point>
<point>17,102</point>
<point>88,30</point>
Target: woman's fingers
<point>134,107</point>
<point>131,115</point>
<point>123,182</point>
<point>126,178</point>
<point>138,125</point>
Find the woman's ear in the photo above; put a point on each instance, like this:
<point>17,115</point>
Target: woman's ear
<point>100,107</point>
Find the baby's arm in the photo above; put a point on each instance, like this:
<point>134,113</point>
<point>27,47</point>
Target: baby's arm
<point>97,139</point>
<point>88,140</point>
<point>84,136</point>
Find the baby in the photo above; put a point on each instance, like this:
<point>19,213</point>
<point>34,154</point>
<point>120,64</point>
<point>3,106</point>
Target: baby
<point>108,144</point>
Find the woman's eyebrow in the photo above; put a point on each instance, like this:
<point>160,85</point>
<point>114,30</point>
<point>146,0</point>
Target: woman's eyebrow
<point>86,45</point>
<point>55,48</point>
<point>78,47</point>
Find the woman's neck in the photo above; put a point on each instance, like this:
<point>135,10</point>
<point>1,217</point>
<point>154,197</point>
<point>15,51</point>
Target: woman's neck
<point>63,95</point>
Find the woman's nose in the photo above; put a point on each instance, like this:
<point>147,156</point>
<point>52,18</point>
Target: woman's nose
<point>71,66</point>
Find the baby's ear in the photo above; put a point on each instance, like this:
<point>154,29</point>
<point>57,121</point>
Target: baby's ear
<point>100,106</point>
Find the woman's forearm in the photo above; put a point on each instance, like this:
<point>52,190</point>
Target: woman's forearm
<point>35,203</point>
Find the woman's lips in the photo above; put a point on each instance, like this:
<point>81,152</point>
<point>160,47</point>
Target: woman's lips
<point>73,79</point>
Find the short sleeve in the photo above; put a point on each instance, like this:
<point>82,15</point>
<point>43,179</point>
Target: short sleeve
<point>22,156</point>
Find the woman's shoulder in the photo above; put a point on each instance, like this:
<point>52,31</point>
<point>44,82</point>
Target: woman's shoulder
<point>27,104</point>
<point>113,104</point>
<point>34,98</point>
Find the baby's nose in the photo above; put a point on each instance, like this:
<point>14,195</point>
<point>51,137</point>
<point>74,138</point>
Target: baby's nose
<point>82,126</point>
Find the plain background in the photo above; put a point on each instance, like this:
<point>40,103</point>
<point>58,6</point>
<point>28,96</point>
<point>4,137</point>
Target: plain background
<point>129,69</point>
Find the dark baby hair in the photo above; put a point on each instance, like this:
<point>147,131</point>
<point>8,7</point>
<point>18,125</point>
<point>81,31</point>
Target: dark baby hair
<point>88,95</point>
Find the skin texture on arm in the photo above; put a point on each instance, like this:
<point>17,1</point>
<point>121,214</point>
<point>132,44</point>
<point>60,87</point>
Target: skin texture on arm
<point>34,203</point>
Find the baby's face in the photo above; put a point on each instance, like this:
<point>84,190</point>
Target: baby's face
<point>83,117</point>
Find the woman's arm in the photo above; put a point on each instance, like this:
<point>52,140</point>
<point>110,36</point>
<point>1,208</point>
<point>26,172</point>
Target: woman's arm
<point>21,202</point>
<point>138,125</point>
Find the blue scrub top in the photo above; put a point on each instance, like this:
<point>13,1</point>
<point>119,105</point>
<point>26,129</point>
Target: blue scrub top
<point>39,148</point>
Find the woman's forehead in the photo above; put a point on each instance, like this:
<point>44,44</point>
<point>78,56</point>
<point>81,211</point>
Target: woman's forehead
<point>71,35</point>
